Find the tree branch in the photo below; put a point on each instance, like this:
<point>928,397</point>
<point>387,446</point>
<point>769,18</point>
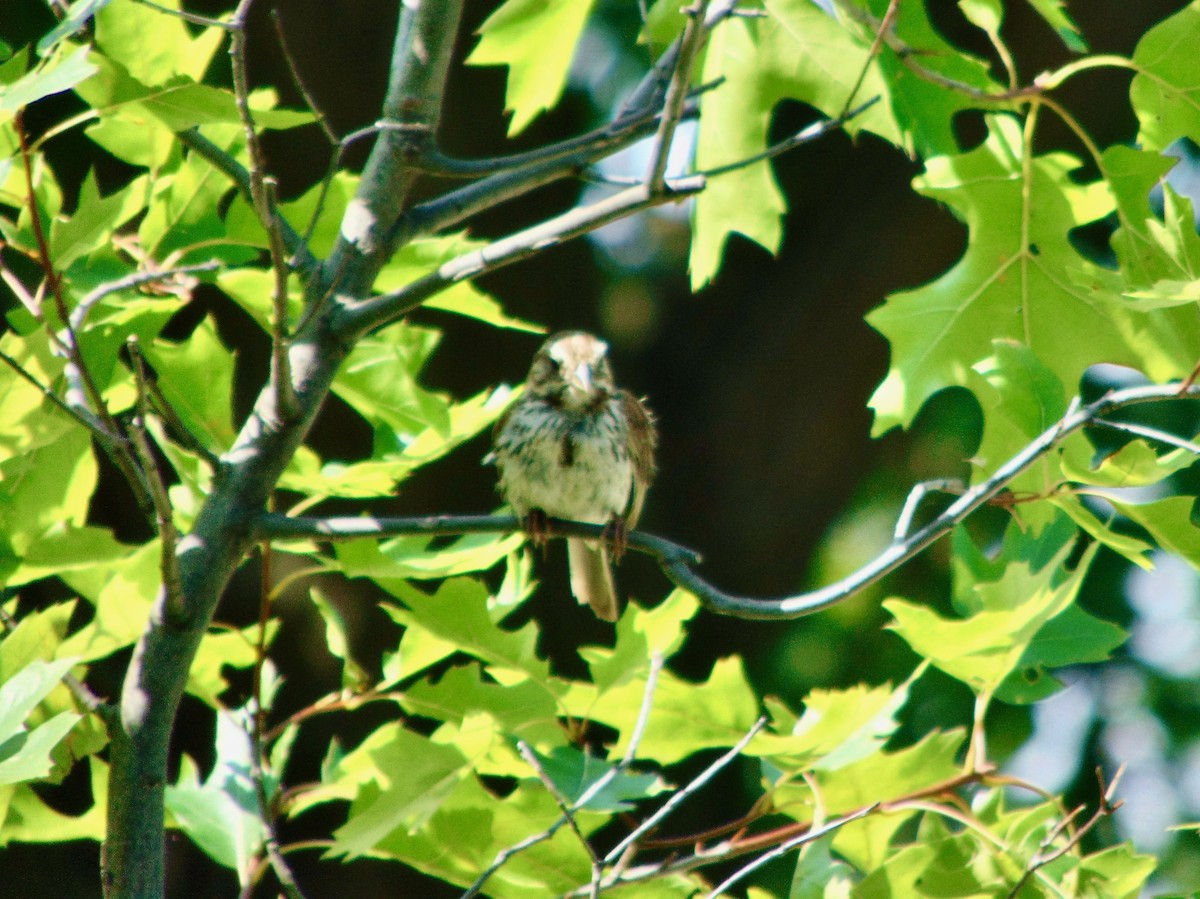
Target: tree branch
<point>355,319</point>
<point>678,562</point>
<point>639,115</point>
<point>413,104</point>
<point>133,859</point>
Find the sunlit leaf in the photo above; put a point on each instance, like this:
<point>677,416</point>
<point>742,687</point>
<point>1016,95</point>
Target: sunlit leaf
<point>24,750</point>
<point>536,41</point>
<point>223,815</point>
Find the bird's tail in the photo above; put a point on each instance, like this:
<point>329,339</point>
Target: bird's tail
<point>591,577</point>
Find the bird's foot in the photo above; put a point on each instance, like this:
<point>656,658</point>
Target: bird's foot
<point>538,529</point>
<point>616,537</point>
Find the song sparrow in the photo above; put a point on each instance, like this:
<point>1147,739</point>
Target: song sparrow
<point>575,447</point>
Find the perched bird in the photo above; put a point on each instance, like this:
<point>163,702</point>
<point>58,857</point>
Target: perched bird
<point>575,447</point>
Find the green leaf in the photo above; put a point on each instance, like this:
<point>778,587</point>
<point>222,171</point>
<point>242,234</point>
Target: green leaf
<point>25,753</point>
<point>838,728</point>
<point>418,649</point>
<point>525,710</point>
<point>223,815</point>
<point>401,780</point>
<point>35,638</point>
<point>985,14</point>
<point>253,289</point>
<point>184,211</point>
<point>196,377</point>
<point>923,108</point>
<point>63,549</point>
<point>31,820</point>
<point>536,40</point>
<point>1056,17</point>
<point>471,825</point>
<point>573,772</point>
<point>155,47</point>
<point>1153,248</point>
<point>123,593</point>
<point>795,52</point>
<point>865,843</point>
<point>641,633</point>
<point>61,74</point>
<point>379,381</point>
<point>1135,550</point>
<point>1133,465</point>
<point>1119,872</point>
<point>78,15</point>
<point>819,875</point>
<point>1169,522</point>
<point>1007,286</point>
<point>219,651</point>
<point>1020,397</point>
<point>1166,91</point>
<point>984,649</point>
<point>329,199</point>
<point>422,256</point>
<point>458,612</point>
<point>92,225</point>
<point>46,491</point>
<point>684,717</point>
<point>24,422</point>
<point>1072,637</point>
<point>180,103</point>
<point>354,676</point>
<point>413,557</point>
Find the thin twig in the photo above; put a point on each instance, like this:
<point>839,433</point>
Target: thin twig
<point>262,197</point>
<point>178,430</point>
<point>80,313</point>
<point>294,70</point>
<point>916,496</point>
<point>31,303</point>
<point>301,256</point>
<point>560,800</point>
<point>82,415</point>
<point>1042,857</point>
<point>82,391</point>
<point>266,812</point>
<point>514,176</point>
<point>881,33</point>
<point>1149,433</point>
<point>168,536</point>
<point>811,133</point>
<point>635,739</point>
<point>679,796</point>
<point>694,33</point>
<point>787,847</point>
<point>728,849</point>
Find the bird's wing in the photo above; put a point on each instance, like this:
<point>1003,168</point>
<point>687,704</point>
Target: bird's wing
<point>643,438</point>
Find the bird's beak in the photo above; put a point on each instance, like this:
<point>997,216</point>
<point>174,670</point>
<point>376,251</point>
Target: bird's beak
<point>583,377</point>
